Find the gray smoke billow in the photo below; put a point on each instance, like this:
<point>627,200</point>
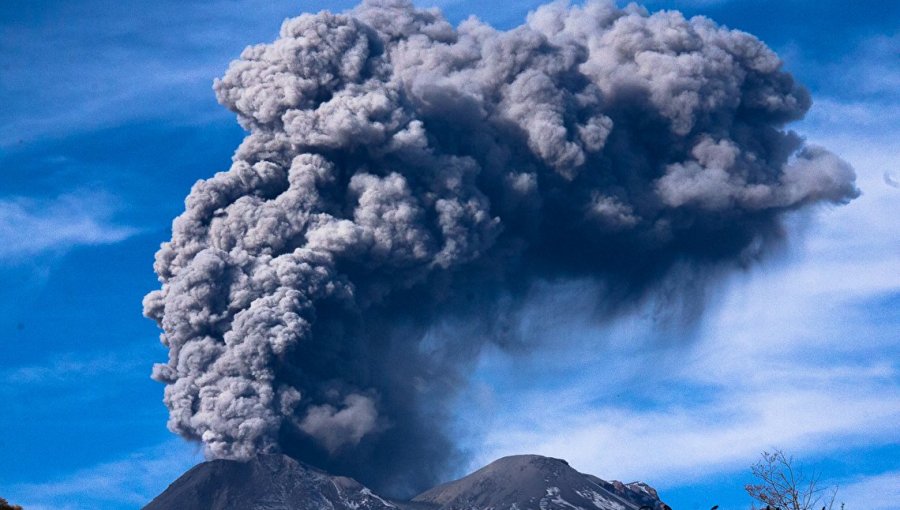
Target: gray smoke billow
<point>405,183</point>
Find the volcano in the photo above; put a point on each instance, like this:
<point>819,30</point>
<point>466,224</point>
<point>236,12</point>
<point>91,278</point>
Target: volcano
<point>520,482</point>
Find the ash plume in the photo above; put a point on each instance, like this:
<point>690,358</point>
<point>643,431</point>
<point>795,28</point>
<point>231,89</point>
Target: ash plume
<point>402,176</point>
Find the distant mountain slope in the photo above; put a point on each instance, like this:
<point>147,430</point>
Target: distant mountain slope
<point>268,482</point>
<point>526,482</point>
<point>277,482</point>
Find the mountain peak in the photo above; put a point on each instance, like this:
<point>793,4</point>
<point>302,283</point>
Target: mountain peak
<point>535,482</point>
<point>266,482</point>
<point>527,459</point>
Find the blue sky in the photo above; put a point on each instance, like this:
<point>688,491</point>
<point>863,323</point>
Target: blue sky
<point>108,118</point>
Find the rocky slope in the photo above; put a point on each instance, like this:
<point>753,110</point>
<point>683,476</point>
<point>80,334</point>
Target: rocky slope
<point>268,482</point>
<point>522,482</point>
<point>525,482</point>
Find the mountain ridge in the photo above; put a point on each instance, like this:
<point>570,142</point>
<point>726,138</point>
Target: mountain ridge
<point>518,482</point>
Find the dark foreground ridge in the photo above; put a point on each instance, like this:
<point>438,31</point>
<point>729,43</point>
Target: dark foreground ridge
<point>521,482</point>
<point>267,482</point>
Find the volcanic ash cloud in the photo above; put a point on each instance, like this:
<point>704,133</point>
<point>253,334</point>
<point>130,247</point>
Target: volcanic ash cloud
<point>401,176</point>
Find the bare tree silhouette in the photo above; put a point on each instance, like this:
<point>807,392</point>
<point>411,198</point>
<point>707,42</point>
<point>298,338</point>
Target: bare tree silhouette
<point>782,485</point>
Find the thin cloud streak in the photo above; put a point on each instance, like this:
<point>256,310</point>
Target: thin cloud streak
<point>678,445</point>
<point>30,227</point>
<point>74,367</point>
<point>128,482</point>
<point>131,61</point>
<point>876,492</point>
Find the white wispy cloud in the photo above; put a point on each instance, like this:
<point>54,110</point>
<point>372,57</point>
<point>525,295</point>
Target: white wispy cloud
<point>874,65</point>
<point>36,226</point>
<point>128,482</point>
<point>149,73</point>
<point>685,443</point>
<point>876,492</point>
<point>832,114</point>
<point>62,370</point>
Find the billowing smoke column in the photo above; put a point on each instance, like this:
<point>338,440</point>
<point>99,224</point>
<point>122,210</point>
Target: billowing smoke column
<point>403,185</point>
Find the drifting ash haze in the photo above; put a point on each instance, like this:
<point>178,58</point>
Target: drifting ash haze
<point>405,184</point>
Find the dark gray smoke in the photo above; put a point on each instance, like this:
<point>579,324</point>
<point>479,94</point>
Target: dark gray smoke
<point>403,185</point>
